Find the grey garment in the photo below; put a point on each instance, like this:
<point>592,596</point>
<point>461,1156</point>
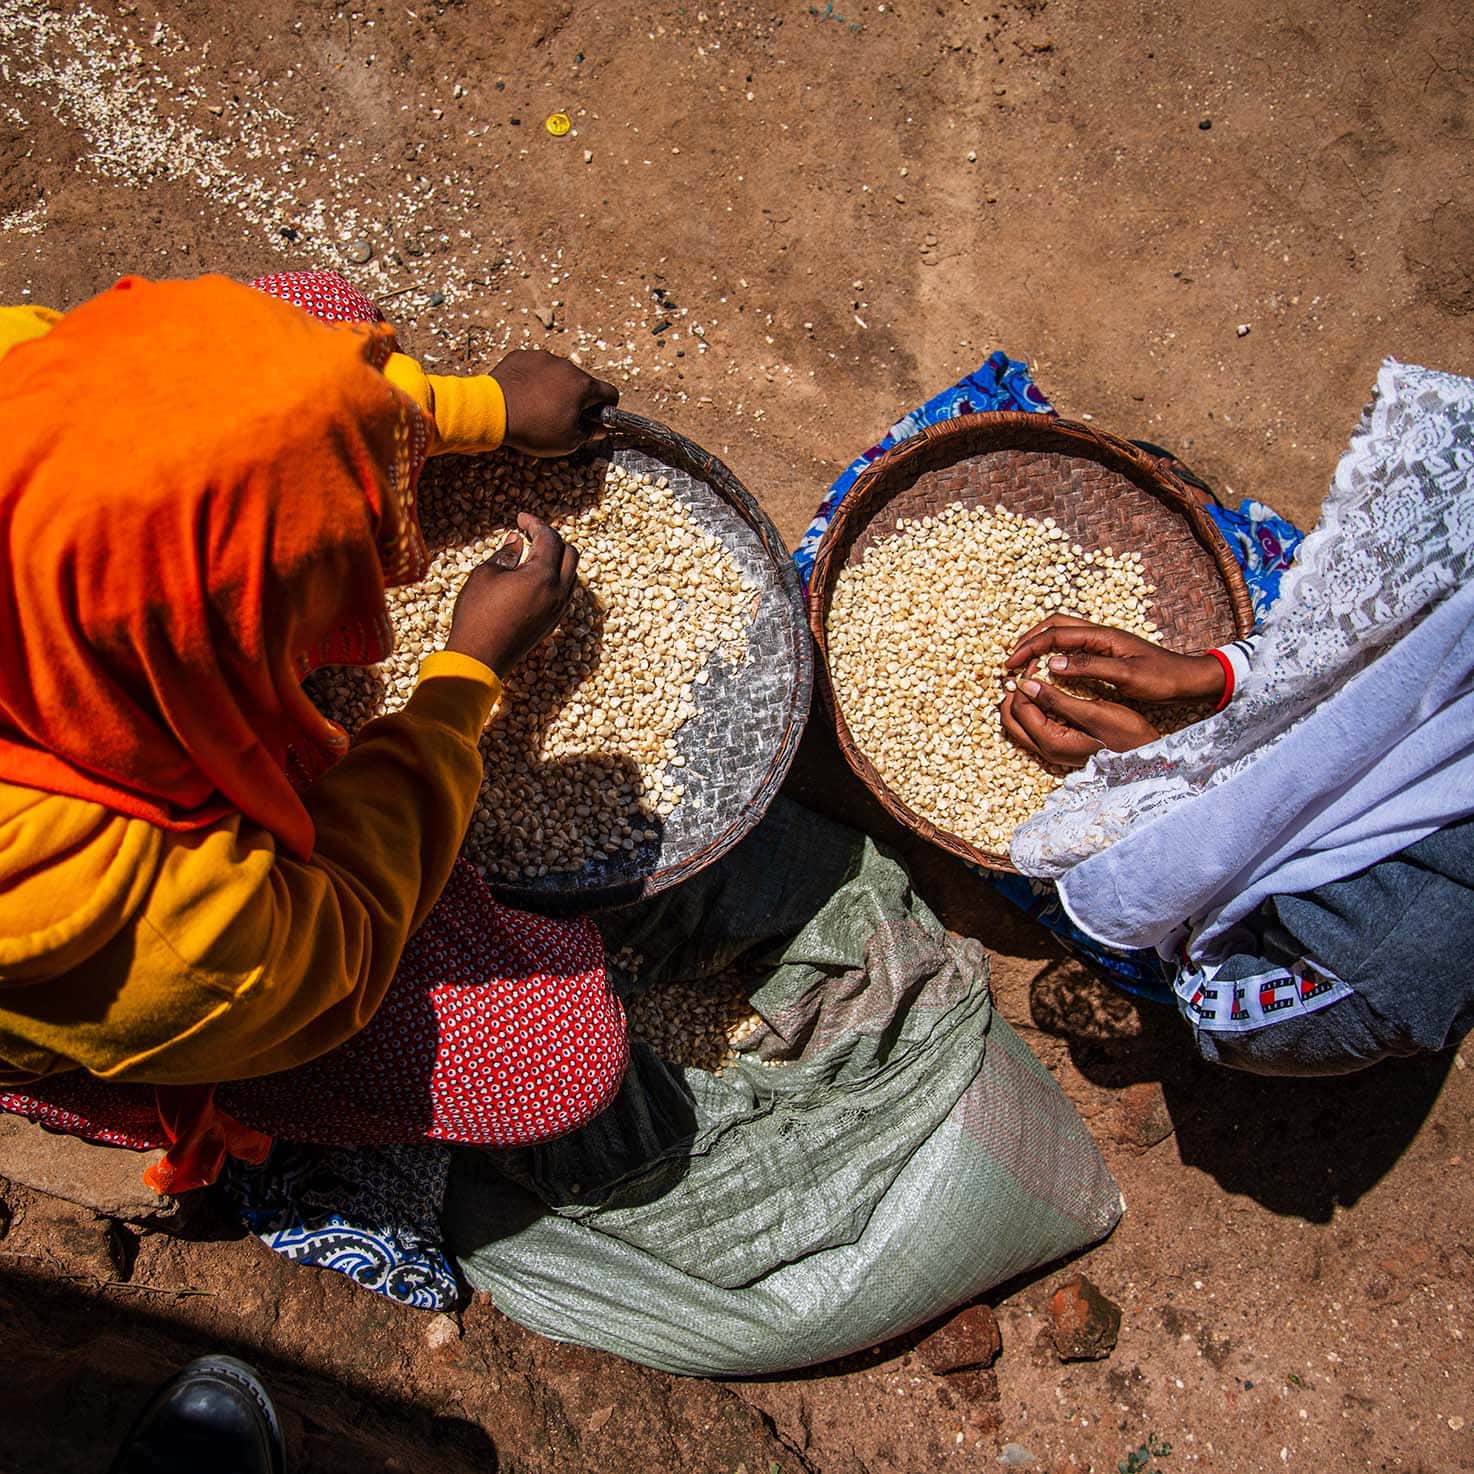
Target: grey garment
<point>1400,933</point>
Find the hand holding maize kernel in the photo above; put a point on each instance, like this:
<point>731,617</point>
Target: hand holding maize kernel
<point>1066,730</point>
<point>921,631</point>
<point>1082,651</point>
<point>510,603</point>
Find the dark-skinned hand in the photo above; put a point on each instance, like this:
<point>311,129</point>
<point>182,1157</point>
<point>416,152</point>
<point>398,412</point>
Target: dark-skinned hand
<point>1065,730</point>
<point>552,405</point>
<point>515,598</point>
<point>1135,667</point>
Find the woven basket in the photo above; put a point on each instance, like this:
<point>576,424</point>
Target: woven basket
<point>739,745</point>
<point>1102,491</point>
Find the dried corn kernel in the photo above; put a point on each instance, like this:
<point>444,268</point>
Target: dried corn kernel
<point>695,1025</point>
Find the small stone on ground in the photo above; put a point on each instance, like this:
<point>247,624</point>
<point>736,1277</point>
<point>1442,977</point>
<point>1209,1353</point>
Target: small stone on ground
<point>1084,1324</point>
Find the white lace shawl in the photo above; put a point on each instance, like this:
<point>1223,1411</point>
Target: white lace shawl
<point>1351,737</point>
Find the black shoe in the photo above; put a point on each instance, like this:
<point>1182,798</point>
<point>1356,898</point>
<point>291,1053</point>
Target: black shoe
<point>214,1417</point>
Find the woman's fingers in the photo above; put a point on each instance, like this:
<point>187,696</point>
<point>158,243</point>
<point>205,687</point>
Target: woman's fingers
<point>1109,723</point>
<point>597,396</point>
<point>547,545</point>
<point>1037,731</point>
<point>1052,622</point>
<point>509,555</point>
<point>1068,710</point>
<point>1085,664</point>
<point>569,568</point>
<point>1065,730</point>
<point>1064,632</point>
<point>1011,728</point>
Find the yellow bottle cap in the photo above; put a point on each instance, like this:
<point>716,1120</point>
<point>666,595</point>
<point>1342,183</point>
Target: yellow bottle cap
<point>558,124</point>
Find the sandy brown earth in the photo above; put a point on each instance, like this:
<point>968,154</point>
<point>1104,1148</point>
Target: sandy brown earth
<point>836,208</point>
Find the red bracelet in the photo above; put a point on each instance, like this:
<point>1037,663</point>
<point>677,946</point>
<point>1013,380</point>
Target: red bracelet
<point>1227,665</point>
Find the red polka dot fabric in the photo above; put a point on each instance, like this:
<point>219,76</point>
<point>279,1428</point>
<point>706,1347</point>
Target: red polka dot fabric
<point>322,293</point>
<point>499,1029</point>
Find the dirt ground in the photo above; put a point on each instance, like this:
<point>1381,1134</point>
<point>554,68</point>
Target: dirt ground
<point>778,227</point>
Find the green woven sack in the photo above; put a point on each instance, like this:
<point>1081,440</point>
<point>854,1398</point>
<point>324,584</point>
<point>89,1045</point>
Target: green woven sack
<point>912,1155</point>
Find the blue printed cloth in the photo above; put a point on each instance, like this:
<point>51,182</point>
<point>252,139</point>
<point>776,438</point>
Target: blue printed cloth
<point>1263,543</point>
<point>1000,383</point>
<point>372,1213</point>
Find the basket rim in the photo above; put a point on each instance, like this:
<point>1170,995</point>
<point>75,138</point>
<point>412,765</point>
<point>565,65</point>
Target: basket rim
<point>853,515</point>
<point>625,430</point>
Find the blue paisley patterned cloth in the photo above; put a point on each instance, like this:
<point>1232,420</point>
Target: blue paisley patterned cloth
<point>372,1213</point>
<point>999,383</point>
<point>1263,542</point>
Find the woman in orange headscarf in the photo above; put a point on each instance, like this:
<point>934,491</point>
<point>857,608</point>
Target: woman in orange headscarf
<point>203,495</point>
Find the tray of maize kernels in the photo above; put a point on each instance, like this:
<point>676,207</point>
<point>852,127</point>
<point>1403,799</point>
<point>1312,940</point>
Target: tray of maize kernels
<point>950,548</point>
<point>650,731</point>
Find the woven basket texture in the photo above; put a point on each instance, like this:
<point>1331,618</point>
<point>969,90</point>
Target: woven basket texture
<point>740,744</point>
<point>1102,491</point>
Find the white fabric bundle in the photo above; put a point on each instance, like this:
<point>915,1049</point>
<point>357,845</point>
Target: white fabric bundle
<point>1351,737</point>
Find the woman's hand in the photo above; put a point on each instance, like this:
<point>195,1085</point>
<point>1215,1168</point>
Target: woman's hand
<point>1135,667</point>
<point>552,405</point>
<point>1064,730</point>
<point>508,604</point>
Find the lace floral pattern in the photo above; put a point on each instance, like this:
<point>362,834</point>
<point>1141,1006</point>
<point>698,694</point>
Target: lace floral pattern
<point>1394,539</point>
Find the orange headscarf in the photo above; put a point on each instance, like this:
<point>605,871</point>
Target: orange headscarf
<point>203,493</point>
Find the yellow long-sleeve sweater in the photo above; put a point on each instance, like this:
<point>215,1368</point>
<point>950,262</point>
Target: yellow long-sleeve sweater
<point>141,954</point>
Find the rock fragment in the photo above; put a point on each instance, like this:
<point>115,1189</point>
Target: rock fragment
<point>970,1341</point>
<point>1139,1118</point>
<point>1084,1324</point>
<point>443,1330</point>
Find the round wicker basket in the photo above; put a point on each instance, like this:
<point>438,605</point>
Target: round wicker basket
<point>740,744</point>
<point>1101,490</point>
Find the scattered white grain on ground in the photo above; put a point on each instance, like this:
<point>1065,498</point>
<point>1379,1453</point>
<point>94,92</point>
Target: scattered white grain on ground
<point>131,90</point>
<point>153,103</point>
<point>582,763</point>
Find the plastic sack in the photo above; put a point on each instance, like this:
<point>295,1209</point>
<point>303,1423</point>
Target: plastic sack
<point>911,1155</point>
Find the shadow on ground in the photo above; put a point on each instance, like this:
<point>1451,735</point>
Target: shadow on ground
<point>1301,1147</point>
<point>78,1369</point>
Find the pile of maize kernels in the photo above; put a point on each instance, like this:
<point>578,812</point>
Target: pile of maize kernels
<point>918,633</point>
<point>699,1025</point>
<point>582,762</point>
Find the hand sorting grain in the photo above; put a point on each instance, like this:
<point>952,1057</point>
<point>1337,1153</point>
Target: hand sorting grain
<point>919,633</point>
<point>1083,686</point>
<point>583,762</point>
